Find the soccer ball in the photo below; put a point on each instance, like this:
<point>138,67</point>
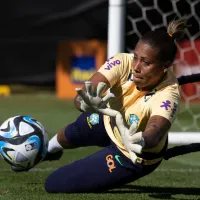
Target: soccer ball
<point>23,141</point>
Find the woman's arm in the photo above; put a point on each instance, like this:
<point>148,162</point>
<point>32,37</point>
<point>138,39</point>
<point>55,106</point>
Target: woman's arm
<point>156,128</point>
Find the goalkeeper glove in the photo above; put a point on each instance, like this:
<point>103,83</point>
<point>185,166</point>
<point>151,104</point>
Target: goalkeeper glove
<point>92,101</point>
<point>133,142</point>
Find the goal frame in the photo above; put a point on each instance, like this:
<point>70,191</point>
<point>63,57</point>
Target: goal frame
<point>116,44</point>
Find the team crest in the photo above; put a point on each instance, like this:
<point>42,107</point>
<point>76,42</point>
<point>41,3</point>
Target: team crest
<point>94,119</point>
<point>133,118</point>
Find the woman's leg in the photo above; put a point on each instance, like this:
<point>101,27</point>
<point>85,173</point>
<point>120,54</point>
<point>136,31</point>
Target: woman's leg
<point>87,130</point>
<point>105,169</point>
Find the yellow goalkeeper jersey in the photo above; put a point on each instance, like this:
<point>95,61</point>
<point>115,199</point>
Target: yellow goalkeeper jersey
<point>135,105</point>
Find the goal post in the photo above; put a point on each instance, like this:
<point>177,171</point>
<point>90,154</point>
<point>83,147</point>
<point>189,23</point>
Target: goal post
<point>183,137</point>
<point>140,16</point>
<point>116,26</point>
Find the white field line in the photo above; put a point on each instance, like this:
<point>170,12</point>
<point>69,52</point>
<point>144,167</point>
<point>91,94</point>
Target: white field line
<point>180,170</point>
<point>177,160</point>
<point>32,170</point>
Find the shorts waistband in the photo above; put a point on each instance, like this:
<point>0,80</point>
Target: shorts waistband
<point>143,161</point>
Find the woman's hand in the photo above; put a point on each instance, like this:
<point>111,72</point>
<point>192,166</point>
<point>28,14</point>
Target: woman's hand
<point>94,101</point>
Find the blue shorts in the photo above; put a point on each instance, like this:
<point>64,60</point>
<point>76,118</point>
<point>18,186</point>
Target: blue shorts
<point>101,171</point>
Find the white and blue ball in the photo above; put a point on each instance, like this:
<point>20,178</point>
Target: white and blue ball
<point>23,141</point>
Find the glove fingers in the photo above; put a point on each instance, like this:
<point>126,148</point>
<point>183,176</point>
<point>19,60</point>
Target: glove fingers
<point>83,106</point>
<point>108,111</point>
<point>120,123</point>
<point>108,97</point>
<point>89,87</point>
<point>133,128</point>
<point>137,137</point>
<point>83,95</point>
<point>100,88</point>
<point>133,157</point>
<point>137,148</point>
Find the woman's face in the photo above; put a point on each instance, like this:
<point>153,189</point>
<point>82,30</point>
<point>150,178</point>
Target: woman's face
<point>147,70</point>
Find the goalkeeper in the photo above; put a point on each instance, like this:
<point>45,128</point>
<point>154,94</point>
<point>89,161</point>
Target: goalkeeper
<point>133,130</point>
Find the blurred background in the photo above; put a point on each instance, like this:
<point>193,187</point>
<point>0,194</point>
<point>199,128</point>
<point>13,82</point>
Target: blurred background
<point>52,47</point>
<point>48,47</point>
<point>32,31</point>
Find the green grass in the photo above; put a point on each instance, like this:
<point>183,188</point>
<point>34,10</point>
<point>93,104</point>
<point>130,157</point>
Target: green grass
<point>177,178</point>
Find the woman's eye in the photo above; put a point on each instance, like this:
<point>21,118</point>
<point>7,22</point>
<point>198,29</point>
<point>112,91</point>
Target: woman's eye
<point>146,63</point>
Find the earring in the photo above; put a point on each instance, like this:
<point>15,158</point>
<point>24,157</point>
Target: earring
<point>165,70</point>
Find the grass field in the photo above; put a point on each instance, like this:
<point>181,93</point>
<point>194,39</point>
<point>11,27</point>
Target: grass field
<point>178,178</point>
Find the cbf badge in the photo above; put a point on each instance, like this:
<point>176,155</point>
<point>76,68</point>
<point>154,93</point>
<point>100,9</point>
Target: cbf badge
<point>133,118</point>
<point>93,119</point>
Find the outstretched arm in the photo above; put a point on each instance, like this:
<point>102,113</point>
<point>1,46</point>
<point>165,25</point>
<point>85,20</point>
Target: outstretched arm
<point>156,128</point>
<point>189,148</point>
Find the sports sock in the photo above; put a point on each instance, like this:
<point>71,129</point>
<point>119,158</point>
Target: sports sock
<point>54,145</point>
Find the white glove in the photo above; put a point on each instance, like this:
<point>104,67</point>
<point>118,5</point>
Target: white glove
<point>133,142</point>
<point>92,101</point>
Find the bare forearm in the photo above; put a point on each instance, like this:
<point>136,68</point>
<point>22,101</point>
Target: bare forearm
<point>151,139</point>
<point>156,128</point>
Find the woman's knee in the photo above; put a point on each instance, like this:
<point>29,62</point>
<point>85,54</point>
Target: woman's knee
<point>63,140</point>
<point>49,187</point>
<point>64,180</point>
<point>54,183</point>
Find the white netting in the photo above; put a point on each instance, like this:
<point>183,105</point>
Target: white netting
<point>145,15</point>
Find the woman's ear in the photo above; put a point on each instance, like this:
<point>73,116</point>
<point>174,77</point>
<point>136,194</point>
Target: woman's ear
<point>167,65</point>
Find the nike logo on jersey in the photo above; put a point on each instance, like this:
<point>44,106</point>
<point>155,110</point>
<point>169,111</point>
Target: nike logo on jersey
<point>117,159</point>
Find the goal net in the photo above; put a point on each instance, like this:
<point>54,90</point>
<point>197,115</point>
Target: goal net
<point>145,15</point>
